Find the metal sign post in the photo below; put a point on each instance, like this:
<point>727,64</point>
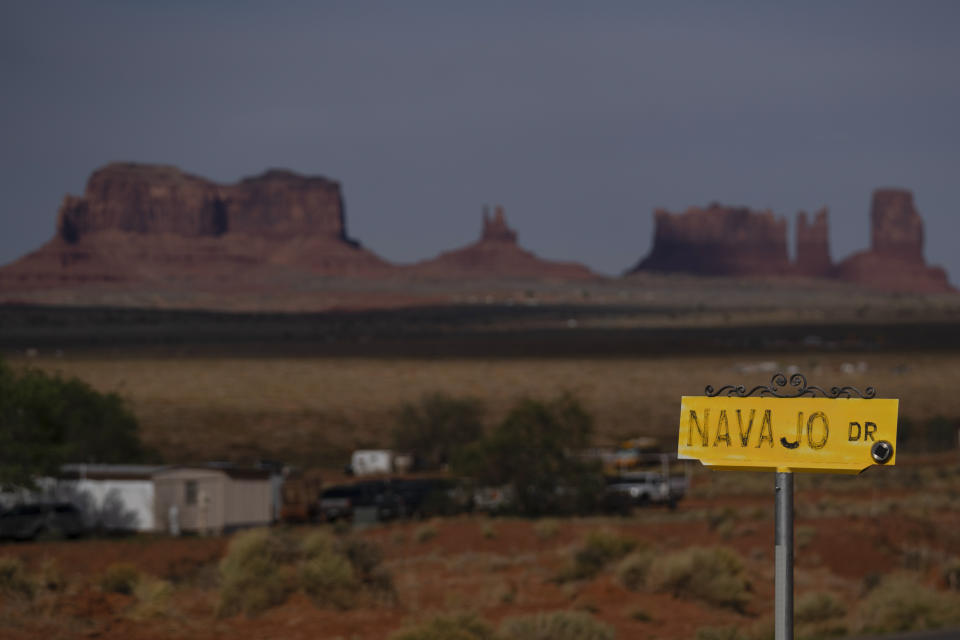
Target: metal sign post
<point>840,431</point>
<point>783,558</point>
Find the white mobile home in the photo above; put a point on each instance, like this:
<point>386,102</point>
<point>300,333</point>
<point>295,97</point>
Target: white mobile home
<point>211,499</point>
<point>114,497</point>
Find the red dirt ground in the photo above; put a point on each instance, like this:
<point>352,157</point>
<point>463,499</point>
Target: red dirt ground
<point>500,568</point>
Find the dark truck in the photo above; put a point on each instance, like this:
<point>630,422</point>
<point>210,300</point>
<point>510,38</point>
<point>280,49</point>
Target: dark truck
<point>393,498</point>
<point>30,521</point>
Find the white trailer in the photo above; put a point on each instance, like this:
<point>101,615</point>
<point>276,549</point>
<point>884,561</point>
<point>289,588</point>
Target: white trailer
<point>114,497</point>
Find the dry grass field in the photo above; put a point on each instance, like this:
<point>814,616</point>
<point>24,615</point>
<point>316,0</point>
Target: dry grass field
<point>313,411</point>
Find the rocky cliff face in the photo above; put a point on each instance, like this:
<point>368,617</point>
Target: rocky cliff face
<point>496,255</point>
<point>813,246</point>
<point>152,199</point>
<point>495,229</point>
<point>895,259</point>
<point>139,223</point>
<point>718,240</point>
<point>896,230</point>
<point>735,241</point>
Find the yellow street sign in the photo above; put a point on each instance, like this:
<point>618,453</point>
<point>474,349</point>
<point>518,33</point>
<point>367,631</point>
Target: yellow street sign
<point>832,435</point>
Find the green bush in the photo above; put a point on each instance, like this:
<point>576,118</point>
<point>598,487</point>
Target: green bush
<point>901,603</point>
<point>559,625</point>
<point>437,426</point>
<point>256,573</point>
<point>712,575</point>
<point>47,420</point>
<point>453,627</point>
<point>599,549</point>
<point>120,578</point>
<point>817,607</point>
<point>13,579</point>
<point>533,451</point>
<point>632,570</point>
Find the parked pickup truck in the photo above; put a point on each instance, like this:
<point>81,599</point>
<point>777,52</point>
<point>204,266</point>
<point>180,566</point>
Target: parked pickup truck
<point>394,498</point>
<point>29,521</point>
<point>648,487</point>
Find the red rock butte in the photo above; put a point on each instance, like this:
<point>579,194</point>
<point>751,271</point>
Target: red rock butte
<point>140,223</point>
<point>895,260</point>
<point>497,255</point>
<point>735,241</point>
<point>718,240</point>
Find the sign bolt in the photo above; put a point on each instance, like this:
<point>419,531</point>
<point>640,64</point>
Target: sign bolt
<point>882,452</point>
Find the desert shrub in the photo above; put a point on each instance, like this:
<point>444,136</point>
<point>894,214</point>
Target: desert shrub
<point>951,573</point>
<point>329,579</point>
<point>453,627</point>
<point>546,529</point>
<point>424,533</point>
<point>262,568</point>
<point>901,603</point>
<point>50,577</point>
<point>366,558</point>
<point>817,607</point>
<point>640,615</point>
<point>13,579</point>
<point>120,578</point>
<point>804,536</point>
<point>718,633</point>
<point>712,575</point>
<point>488,531</point>
<point>723,521</point>
<point>760,630</point>
<point>505,593</point>
<point>559,625</point>
<point>920,557</point>
<point>255,574</point>
<point>934,434</point>
<point>318,543</point>
<point>599,549</point>
<point>632,570</point>
<point>153,598</point>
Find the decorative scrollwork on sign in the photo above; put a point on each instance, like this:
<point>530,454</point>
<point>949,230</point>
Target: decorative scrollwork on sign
<point>776,389</point>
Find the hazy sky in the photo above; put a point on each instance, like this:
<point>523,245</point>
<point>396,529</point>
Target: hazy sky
<point>579,117</point>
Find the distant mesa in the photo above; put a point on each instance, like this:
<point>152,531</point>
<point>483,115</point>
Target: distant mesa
<point>497,255</point>
<point>735,241</point>
<point>718,240</point>
<point>140,222</point>
<point>895,259</point>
